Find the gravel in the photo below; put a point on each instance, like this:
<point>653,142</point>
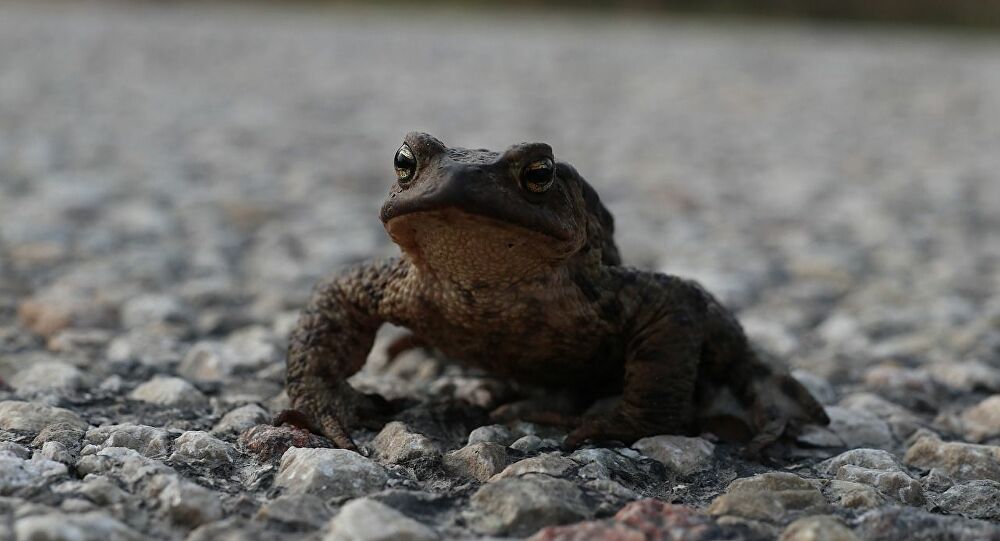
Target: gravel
<point>175,179</point>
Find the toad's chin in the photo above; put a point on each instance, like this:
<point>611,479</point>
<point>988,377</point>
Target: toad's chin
<point>474,249</point>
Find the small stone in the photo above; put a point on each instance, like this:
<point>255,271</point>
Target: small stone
<point>149,347</point>
<point>967,376</point>
<point>268,442</point>
<point>854,495</point>
<point>329,473</point>
<point>491,433</point>
<point>93,526</point>
<point>875,459</point>
<point>549,464</point>
<point>14,449</point>
<point>961,461</point>
<point>68,434</point>
<point>298,510</point>
<point>679,453</point>
<point>640,521</point>
<point>479,461</point>
<point>818,528</point>
<point>47,376</point>
<point>769,497</point>
<point>101,490</point>
<point>520,506</point>
<point>240,419</point>
<point>231,529</point>
<point>125,465</point>
<point>396,444</point>
<point>150,441</point>
<point>196,447</point>
<point>601,463</point>
<point>527,444</point>
<point>170,391</point>
<point>937,481</point>
<point>17,474</point>
<point>973,499</point>
<point>56,452</point>
<point>860,429</point>
<point>357,521</point>
<point>982,421</point>
<point>33,417</point>
<point>184,502</point>
<point>895,484</point>
<point>901,523</point>
<point>153,309</point>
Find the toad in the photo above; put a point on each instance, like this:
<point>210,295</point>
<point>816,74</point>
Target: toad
<point>509,265</point>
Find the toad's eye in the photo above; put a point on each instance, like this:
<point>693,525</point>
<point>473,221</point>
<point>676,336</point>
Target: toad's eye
<point>538,175</point>
<point>405,163</point>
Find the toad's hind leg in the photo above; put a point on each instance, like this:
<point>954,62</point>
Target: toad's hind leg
<point>660,372</point>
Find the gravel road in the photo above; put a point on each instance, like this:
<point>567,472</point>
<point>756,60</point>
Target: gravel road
<point>173,180</point>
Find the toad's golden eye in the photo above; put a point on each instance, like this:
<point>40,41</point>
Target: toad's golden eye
<point>405,163</point>
<point>538,175</point>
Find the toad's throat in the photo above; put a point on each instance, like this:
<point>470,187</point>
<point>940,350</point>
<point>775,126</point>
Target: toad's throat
<point>474,250</point>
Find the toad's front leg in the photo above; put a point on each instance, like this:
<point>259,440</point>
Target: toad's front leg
<point>330,343</point>
<point>660,372</point>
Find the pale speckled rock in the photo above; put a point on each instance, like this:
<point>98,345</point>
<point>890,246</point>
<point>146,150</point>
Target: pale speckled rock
<point>57,452</point>
<point>101,490</point>
<point>479,461</point>
<point>149,347</point>
<point>905,523</point>
<point>853,495</point>
<point>875,459</point>
<point>200,448</point>
<point>48,376</point>
<point>679,453</point>
<point>242,352</point>
<point>974,499</point>
<point>329,473</point>
<point>491,433</point>
<point>153,309</point>
<point>548,464</point>
<point>231,529</point>
<point>397,444</point>
<point>33,417</point>
<point>982,421</point>
<point>601,463</point>
<point>150,441</point>
<point>185,503</point>
<point>894,484</point>
<point>818,528</point>
<point>297,510</point>
<point>357,518</point>
<point>961,461</point>
<point>18,474</point>
<point>527,444</point>
<point>857,428</point>
<point>769,497</point>
<point>520,506</point>
<point>95,526</point>
<point>170,391</point>
<point>240,419</point>
<point>123,464</point>
<point>14,449</point>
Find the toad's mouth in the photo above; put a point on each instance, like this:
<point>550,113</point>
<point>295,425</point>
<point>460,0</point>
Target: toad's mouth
<point>480,197</point>
<point>472,247</point>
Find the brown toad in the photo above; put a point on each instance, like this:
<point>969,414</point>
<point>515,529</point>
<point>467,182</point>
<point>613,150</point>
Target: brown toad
<point>509,265</point>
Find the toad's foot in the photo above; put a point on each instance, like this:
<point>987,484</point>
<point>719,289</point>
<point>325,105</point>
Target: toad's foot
<point>330,413</point>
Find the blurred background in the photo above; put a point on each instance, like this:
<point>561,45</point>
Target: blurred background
<point>828,168</point>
